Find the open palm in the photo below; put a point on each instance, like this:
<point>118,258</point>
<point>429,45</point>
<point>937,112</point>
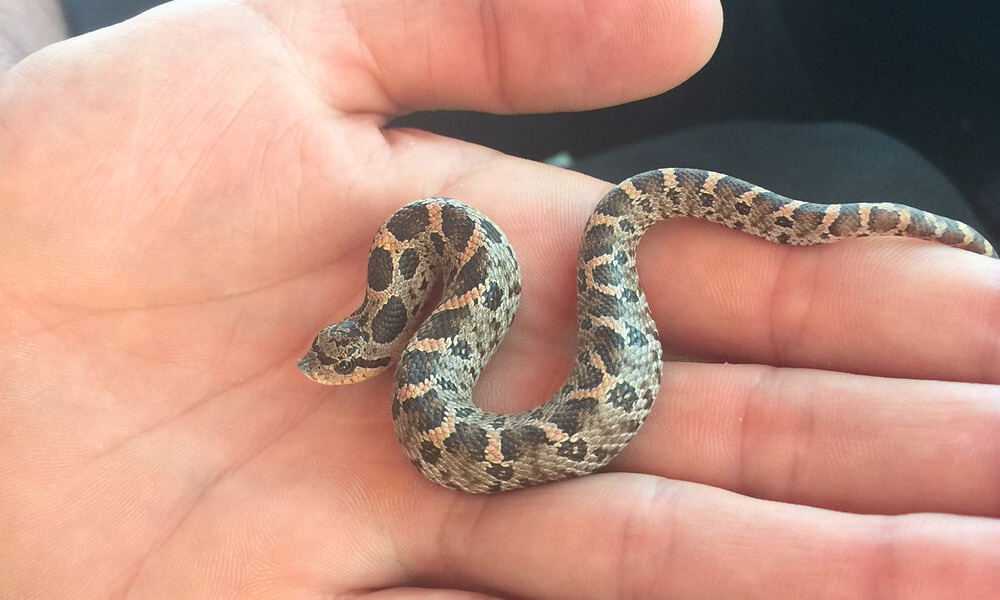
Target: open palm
<point>189,196</point>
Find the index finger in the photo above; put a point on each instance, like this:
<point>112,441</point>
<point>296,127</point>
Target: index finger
<point>888,307</point>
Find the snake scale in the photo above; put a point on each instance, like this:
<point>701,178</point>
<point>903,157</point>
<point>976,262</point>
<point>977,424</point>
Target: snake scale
<point>616,375</point>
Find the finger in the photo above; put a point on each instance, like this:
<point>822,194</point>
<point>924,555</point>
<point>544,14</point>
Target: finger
<point>629,536</point>
<point>498,56</point>
<point>892,307</point>
<point>845,442</point>
<point>422,594</point>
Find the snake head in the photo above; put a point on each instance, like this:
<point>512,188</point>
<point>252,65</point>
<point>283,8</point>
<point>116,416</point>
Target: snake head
<point>337,356</point>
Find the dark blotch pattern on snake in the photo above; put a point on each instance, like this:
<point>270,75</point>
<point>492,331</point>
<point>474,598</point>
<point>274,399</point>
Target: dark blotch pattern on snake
<point>616,375</point>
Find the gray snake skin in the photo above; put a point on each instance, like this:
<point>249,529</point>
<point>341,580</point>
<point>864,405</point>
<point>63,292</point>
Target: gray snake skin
<point>616,375</point>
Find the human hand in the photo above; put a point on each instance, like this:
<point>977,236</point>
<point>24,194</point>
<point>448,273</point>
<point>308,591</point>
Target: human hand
<point>189,196</point>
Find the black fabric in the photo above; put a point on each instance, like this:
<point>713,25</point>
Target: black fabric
<point>819,162</point>
<point>924,72</point>
<point>87,15</point>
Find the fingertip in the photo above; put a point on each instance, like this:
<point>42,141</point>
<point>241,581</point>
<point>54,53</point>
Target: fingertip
<point>705,31</point>
<point>609,53</point>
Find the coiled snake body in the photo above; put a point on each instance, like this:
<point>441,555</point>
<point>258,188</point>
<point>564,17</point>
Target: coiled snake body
<point>616,376</point>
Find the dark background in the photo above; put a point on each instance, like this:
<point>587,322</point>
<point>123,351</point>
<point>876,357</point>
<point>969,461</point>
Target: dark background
<point>926,73</point>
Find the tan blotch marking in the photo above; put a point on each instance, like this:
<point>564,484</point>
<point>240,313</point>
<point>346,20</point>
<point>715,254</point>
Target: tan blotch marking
<point>865,215</point>
<point>788,210</point>
<point>603,389</point>
<point>388,242</point>
<point>968,237</point>
<point>493,453</point>
<point>434,216</point>
<point>709,186</point>
<point>940,227</point>
<point>410,391</point>
<point>902,216</point>
<point>429,345</point>
<point>464,300</point>
<point>727,210</point>
<point>439,434</point>
<point>603,219</point>
<point>604,288</point>
<point>749,196</point>
<point>553,433</point>
<point>669,178</point>
<point>631,190</point>
<point>612,324</point>
<point>830,215</point>
<point>378,298</point>
<point>472,244</point>
<point>905,217</point>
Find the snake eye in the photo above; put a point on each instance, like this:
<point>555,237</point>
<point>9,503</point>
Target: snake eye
<point>344,367</point>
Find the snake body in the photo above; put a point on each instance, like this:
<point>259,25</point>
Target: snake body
<point>616,375</point>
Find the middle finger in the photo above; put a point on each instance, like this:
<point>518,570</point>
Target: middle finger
<point>828,439</point>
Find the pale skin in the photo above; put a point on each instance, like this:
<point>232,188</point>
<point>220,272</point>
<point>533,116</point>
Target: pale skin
<point>188,197</point>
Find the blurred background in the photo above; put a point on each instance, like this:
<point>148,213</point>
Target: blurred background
<point>826,101</point>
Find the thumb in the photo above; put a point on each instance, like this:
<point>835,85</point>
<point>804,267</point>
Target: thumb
<point>501,56</point>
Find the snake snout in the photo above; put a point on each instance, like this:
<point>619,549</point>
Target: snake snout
<point>303,366</point>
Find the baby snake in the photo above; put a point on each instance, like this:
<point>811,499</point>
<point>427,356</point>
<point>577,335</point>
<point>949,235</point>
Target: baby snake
<point>617,372</point>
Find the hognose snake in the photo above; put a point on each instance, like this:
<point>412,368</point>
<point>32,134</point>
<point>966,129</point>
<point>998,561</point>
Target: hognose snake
<point>616,376</point>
